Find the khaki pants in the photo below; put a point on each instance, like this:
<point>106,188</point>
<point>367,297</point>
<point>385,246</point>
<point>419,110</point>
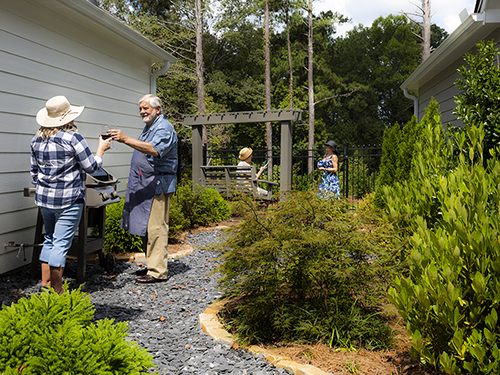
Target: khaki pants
<point>157,236</point>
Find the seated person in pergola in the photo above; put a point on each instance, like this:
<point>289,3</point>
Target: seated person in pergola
<point>246,158</point>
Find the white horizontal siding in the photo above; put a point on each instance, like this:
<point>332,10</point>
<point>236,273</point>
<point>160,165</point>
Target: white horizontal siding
<point>43,54</point>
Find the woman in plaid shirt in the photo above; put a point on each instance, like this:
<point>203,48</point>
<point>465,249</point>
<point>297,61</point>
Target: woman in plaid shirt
<point>60,157</point>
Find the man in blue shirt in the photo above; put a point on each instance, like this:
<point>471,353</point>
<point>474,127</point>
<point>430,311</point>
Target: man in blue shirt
<point>151,184</point>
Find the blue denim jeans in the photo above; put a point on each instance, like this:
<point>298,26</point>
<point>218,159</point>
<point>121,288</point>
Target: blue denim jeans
<point>60,228</point>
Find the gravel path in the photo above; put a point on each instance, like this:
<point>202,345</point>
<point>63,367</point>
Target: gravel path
<point>163,317</point>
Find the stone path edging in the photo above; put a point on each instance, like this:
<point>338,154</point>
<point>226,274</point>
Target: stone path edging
<point>212,327</point>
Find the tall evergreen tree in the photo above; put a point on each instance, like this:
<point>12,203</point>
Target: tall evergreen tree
<point>378,58</point>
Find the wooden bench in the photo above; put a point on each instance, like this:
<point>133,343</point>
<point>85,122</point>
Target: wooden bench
<point>229,180</point>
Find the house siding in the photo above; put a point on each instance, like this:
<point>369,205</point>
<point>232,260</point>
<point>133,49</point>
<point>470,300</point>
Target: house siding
<point>42,54</point>
<point>442,88</point>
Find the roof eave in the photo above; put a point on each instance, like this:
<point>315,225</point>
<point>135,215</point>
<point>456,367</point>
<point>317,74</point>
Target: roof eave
<point>115,26</point>
<point>476,27</point>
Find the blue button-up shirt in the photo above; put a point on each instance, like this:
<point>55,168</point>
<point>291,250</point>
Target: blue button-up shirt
<point>162,136</point>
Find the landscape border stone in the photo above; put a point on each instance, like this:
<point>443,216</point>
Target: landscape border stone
<point>210,324</point>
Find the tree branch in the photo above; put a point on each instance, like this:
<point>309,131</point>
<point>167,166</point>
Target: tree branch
<point>337,96</point>
<point>419,23</point>
<point>418,6</point>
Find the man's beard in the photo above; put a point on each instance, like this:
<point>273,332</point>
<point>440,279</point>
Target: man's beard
<point>149,119</point>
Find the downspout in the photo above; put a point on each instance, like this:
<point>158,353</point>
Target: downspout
<point>155,75</point>
<point>415,102</point>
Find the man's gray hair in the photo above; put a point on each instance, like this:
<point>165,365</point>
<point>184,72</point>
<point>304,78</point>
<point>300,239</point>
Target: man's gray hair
<point>153,100</point>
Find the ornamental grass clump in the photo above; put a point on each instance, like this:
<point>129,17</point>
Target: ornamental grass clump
<point>307,271</point>
<point>53,334</point>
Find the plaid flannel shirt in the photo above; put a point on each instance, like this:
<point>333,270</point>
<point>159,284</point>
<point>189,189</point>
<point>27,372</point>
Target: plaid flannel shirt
<point>58,167</point>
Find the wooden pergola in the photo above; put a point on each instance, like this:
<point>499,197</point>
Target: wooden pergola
<point>285,116</point>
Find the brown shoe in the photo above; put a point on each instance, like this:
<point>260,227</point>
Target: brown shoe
<point>148,279</point>
<point>143,271</point>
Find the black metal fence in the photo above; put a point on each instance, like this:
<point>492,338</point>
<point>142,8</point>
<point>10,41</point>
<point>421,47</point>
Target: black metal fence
<point>358,166</point>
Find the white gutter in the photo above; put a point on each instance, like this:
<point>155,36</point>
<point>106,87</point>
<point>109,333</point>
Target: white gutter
<point>415,102</point>
<point>156,74</point>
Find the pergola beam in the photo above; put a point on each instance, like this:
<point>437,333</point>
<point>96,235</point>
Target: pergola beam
<point>280,115</point>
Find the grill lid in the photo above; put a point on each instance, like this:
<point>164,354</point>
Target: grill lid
<point>100,178</point>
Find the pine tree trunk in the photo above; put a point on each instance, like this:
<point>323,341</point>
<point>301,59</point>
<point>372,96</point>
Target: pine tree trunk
<point>426,29</point>
<point>199,65</point>
<point>269,129</point>
<point>289,47</point>
<point>310,164</point>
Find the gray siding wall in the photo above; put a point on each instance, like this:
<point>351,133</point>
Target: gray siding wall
<point>43,54</point>
<point>442,88</point>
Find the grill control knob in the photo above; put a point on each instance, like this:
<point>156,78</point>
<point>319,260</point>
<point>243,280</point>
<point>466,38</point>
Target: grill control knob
<point>105,196</point>
<point>114,194</point>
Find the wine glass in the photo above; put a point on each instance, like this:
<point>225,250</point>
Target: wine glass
<point>105,134</point>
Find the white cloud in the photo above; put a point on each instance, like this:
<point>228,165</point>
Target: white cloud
<point>445,12</point>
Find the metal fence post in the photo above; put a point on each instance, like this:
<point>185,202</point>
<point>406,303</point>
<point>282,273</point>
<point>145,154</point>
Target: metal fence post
<point>346,170</point>
<point>205,154</point>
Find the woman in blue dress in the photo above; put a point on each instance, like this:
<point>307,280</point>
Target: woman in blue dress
<point>329,186</point>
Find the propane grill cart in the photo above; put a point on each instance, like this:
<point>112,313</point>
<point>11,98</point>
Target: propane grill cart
<point>100,191</point>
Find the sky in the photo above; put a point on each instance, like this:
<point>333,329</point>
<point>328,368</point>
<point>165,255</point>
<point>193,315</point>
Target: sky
<point>445,12</point>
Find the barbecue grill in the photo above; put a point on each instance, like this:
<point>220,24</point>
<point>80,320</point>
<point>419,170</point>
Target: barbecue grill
<point>100,191</point>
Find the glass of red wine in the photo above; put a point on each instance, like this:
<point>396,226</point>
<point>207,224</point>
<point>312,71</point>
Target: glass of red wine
<point>105,134</point>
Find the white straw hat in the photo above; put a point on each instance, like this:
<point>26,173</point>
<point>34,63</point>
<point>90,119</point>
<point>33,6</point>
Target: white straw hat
<point>58,112</point>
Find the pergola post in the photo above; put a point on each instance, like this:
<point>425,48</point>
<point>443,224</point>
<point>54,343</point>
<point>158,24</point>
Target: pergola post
<point>197,157</point>
<point>286,156</point>
<point>285,116</point>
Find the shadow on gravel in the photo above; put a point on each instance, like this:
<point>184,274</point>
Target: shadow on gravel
<point>118,313</point>
<point>19,284</point>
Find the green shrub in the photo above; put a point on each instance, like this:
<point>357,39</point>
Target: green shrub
<point>177,222</point>
<point>301,180</point>
<point>53,334</point>
<point>303,272</point>
<point>449,203</point>
<point>201,207</point>
<point>416,195</point>
<point>398,152</point>
<point>187,209</point>
<point>389,162</point>
<point>451,297</point>
<point>480,89</point>
<point>116,238</point>
<point>238,207</point>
